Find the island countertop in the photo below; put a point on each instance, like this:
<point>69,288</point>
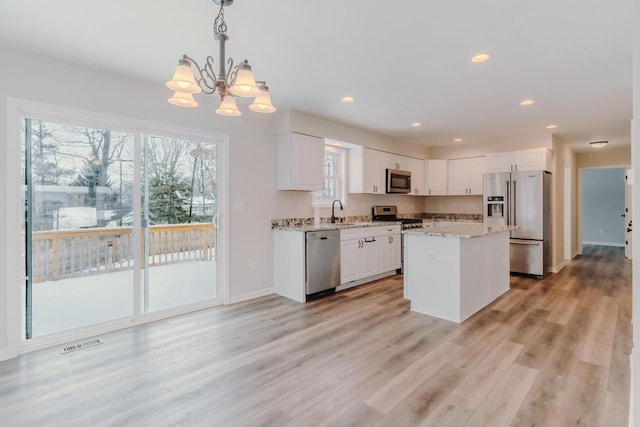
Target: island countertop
<point>460,230</point>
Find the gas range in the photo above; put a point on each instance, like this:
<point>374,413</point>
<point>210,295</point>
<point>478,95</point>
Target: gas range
<point>390,213</point>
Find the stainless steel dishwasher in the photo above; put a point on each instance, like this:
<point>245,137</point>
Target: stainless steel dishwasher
<point>322,261</point>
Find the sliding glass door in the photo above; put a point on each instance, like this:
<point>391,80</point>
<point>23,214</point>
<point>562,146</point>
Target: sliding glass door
<point>78,247</point>
<point>179,221</point>
<point>113,217</point>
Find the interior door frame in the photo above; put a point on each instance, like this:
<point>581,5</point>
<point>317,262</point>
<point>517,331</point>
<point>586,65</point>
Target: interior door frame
<point>580,189</point>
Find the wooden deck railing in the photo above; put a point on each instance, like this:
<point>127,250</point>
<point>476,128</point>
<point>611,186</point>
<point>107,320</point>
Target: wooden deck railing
<point>67,253</point>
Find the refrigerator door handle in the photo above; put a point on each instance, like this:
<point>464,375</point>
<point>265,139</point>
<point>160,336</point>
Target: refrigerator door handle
<point>515,209</point>
<point>508,203</point>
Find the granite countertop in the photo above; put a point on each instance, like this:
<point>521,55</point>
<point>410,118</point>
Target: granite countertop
<point>461,230</point>
<point>336,226</point>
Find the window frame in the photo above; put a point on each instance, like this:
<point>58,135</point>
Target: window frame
<point>341,177</point>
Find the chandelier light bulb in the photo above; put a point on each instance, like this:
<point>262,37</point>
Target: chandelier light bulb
<point>183,99</point>
<point>183,79</point>
<point>262,103</point>
<point>244,84</point>
<point>228,107</point>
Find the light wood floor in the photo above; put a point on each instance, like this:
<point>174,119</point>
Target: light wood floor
<point>548,353</point>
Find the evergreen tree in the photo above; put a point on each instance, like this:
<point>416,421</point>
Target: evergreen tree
<point>169,195</point>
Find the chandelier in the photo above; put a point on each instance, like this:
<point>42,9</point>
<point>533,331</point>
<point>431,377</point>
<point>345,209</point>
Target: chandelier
<point>239,80</point>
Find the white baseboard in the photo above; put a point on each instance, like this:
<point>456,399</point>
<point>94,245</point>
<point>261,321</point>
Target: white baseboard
<point>251,295</point>
<point>365,280</point>
<point>559,267</point>
<point>575,254</point>
<point>631,394</point>
<point>4,355</point>
<point>616,244</point>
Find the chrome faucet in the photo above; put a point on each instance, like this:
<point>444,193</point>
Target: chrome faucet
<point>333,213</point>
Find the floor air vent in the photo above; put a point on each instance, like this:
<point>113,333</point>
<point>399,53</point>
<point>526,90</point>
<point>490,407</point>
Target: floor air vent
<point>80,346</point>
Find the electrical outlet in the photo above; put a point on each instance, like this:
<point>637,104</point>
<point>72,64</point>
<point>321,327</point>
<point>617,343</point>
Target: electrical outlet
<point>253,266</point>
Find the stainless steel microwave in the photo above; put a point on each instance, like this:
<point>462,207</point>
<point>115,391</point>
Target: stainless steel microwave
<point>398,181</point>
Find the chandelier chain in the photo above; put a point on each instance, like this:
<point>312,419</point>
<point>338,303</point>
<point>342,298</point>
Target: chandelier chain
<point>219,25</point>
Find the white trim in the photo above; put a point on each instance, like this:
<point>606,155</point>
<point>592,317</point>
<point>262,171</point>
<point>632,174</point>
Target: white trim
<point>18,108</point>
<point>558,267</point>
<point>251,295</point>
<point>222,227</point>
<point>616,244</point>
<point>13,276</point>
<point>369,279</point>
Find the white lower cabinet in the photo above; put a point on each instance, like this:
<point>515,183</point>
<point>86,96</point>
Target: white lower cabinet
<point>349,260</point>
<point>369,251</point>
<point>389,243</point>
<point>357,253</point>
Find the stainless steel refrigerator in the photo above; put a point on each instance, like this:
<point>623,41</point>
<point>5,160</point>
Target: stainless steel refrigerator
<point>522,199</point>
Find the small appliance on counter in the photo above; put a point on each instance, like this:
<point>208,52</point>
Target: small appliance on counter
<point>521,199</point>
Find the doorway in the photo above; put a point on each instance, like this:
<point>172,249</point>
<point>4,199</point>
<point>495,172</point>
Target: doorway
<point>603,207</point>
<point>118,225</point>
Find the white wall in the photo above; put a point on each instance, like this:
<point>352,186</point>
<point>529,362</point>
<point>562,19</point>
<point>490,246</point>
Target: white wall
<point>252,154</point>
<point>603,202</point>
<point>253,199</point>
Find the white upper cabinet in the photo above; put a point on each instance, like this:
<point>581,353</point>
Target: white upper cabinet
<point>396,161</point>
<point>458,177</point>
<point>300,160</point>
<point>477,169</point>
<point>417,168</point>
<point>435,173</point>
<point>522,160</point>
<point>465,176</point>
<point>367,171</point>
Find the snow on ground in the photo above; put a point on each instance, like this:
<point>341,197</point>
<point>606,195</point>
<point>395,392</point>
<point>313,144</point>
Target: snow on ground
<point>80,301</point>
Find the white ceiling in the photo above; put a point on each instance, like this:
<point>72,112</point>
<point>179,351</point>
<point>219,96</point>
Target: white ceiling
<point>403,61</point>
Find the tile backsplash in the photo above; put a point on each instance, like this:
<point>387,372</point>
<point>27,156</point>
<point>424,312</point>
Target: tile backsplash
<point>300,222</point>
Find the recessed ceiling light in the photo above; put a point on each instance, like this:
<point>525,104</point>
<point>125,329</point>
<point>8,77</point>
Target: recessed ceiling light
<point>416,124</point>
<point>552,126</point>
<point>348,99</point>
<point>481,57</point>
<point>527,102</point>
<point>598,144</point>
<point>457,140</point>
<point>337,144</point>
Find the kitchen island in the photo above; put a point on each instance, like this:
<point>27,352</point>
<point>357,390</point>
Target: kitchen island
<point>453,271</point>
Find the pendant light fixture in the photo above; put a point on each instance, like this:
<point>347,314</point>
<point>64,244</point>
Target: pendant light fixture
<point>229,83</point>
